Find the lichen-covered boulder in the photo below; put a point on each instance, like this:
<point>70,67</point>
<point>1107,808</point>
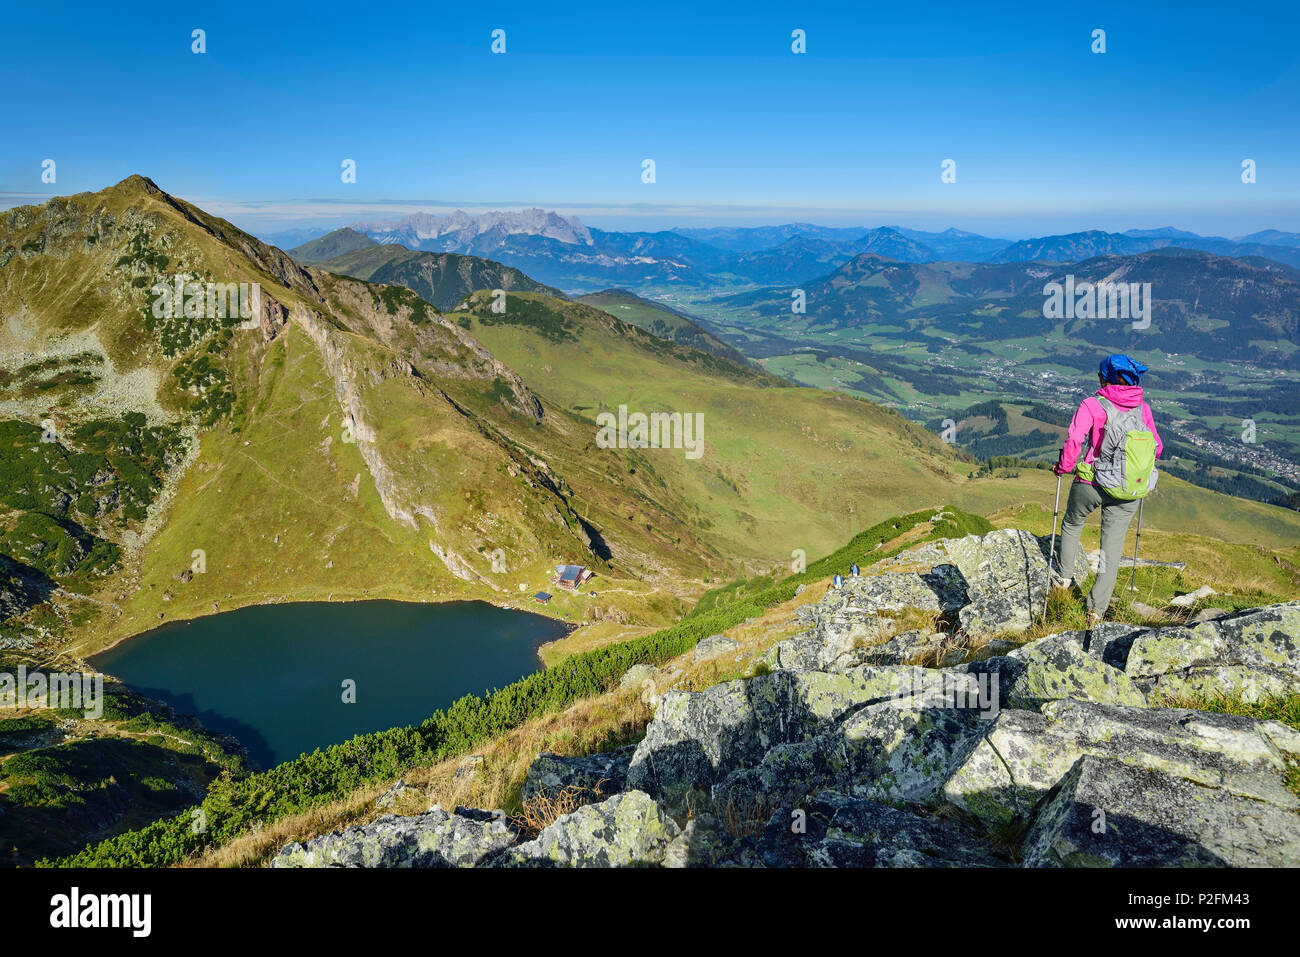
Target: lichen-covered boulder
<point>1110,641</point>
<point>1109,813</point>
<point>838,633</point>
<point>900,750</point>
<point>864,833</point>
<point>842,642</point>
<point>435,838</point>
<point>1004,775</point>
<point>1254,654</point>
<point>909,647</point>
<point>691,734</point>
<point>601,774</point>
<point>999,581</point>
<point>637,676</point>
<point>713,647</point>
<point>704,841</point>
<point>1026,753</point>
<point>1006,580</point>
<point>985,584</point>
<point>870,595</point>
<point>627,830</point>
<point>1057,667</point>
<point>696,738</point>
<point>800,653</point>
<point>832,829</point>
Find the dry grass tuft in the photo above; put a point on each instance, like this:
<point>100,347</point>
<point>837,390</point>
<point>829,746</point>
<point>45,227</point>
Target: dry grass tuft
<point>745,818</point>
<point>941,653</point>
<point>546,807</point>
<point>891,624</point>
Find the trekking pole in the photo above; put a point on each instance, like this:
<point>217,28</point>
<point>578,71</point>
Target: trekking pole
<point>1132,581</point>
<point>1056,507</point>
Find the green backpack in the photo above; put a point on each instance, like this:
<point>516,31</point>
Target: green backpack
<point>1125,465</point>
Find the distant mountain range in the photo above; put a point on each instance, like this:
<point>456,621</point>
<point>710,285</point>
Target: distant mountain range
<point>1211,306</point>
<point>951,244</point>
<point>464,233</point>
<point>564,253</point>
<point>1075,246</point>
<point>1272,237</point>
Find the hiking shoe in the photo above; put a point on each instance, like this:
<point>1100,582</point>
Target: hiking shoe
<point>1059,582</point>
<point>1094,620</point>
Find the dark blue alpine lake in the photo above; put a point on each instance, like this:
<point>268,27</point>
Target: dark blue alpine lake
<point>273,675</point>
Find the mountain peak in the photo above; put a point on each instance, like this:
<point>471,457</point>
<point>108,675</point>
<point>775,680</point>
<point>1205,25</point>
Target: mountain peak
<point>332,244</point>
<point>136,183</point>
<point>463,229</point>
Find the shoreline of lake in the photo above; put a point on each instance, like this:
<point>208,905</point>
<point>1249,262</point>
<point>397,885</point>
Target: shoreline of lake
<point>572,626</point>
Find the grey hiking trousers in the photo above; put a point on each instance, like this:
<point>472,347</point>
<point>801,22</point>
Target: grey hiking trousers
<point>1116,515</point>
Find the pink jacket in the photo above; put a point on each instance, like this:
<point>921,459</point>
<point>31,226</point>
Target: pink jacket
<point>1090,421</point>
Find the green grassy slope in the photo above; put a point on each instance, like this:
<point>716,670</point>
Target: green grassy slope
<point>784,465</point>
<point>659,320</point>
<point>781,465</point>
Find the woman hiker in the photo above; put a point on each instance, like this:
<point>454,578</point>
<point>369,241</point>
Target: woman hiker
<point>1111,448</point>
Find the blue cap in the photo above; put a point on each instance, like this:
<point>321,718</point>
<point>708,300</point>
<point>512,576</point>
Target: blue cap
<point>1112,367</point>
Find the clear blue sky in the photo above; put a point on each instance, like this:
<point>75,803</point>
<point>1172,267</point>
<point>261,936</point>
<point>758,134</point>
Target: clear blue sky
<point>1047,136</point>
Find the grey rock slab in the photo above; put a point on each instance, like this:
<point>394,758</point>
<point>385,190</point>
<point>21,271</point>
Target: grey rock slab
<point>869,834</point>
<point>1057,667</point>
<point>435,838</point>
<point>902,649</point>
<point>1108,813</point>
<point>1253,654</point>
<point>637,675</point>
<point>697,738</point>
<point>1209,614</point>
<point>897,751</point>
<point>714,646</point>
<point>1191,598</point>
<point>600,774</point>
<point>627,830</point>
<point>1026,753</point>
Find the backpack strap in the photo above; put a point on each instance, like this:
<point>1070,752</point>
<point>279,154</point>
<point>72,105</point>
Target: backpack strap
<point>1087,439</point>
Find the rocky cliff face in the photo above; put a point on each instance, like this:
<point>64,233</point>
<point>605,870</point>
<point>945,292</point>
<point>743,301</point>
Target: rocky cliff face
<point>1056,752</point>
